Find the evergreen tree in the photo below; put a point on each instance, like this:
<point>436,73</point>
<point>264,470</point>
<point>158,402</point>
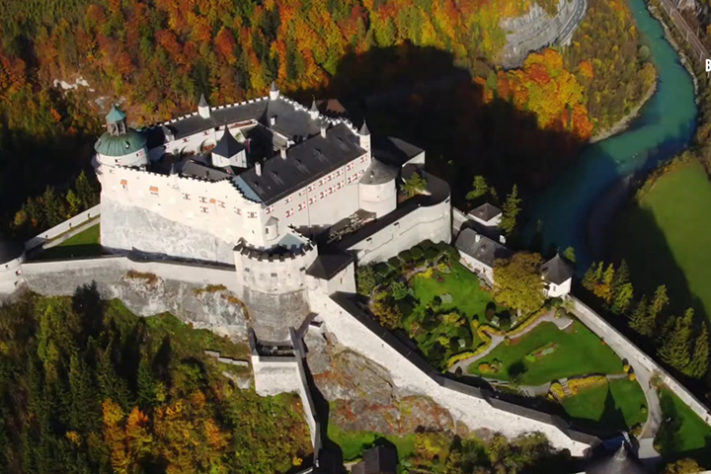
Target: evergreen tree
<point>639,317</point>
<point>623,298</point>
<point>676,347</point>
<point>146,384</point>
<point>85,191</point>
<point>569,254</point>
<point>658,303</point>
<point>605,289</point>
<point>510,212</point>
<point>589,279</point>
<point>414,185</point>
<point>479,188</point>
<point>699,364</point>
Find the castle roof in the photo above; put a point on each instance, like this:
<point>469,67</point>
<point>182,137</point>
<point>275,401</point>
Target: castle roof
<point>305,162</point>
<point>556,270</point>
<point>364,129</point>
<point>115,115</point>
<point>378,173</point>
<point>480,247</point>
<point>485,212</point>
<point>120,145</point>
<point>326,266</point>
<point>199,170</point>
<point>228,146</point>
<point>10,250</point>
<point>394,151</point>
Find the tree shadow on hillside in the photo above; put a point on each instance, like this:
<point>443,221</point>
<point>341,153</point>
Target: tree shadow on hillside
<point>420,94</point>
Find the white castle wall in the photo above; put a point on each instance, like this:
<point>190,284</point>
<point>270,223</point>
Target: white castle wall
<point>475,412</point>
<point>378,198</point>
<point>63,227</point>
<point>275,274</point>
<point>137,158</point>
<point>426,222</point>
<point>11,275</point>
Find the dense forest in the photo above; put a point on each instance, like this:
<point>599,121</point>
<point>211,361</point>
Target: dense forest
<point>88,387</point>
<point>156,57</point>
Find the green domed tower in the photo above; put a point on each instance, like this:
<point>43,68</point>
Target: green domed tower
<point>120,145</point>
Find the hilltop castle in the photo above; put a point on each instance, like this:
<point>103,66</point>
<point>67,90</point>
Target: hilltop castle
<point>287,195</point>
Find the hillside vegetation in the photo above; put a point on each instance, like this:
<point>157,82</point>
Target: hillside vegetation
<point>88,387</point>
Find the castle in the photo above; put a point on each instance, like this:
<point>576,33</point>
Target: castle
<point>284,194</point>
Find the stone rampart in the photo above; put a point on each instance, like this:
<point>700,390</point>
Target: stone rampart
<point>636,356</point>
<point>410,373</point>
<point>66,226</point>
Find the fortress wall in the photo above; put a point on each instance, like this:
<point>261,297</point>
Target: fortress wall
<point>63,227</point>
<point>614,338</point>
<point>426,222</point>
<point>128,227</point>
<point>215,207</point>
<point>477,413</point>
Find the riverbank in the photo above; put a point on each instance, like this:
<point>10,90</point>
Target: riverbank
<point>624,123</point>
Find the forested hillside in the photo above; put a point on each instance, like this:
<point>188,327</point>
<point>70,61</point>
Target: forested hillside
<point>88,387</point>
<point>156,57</point>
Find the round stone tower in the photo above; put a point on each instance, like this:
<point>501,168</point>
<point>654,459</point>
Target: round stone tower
<point>120,145</point>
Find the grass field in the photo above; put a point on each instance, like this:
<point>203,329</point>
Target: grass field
<point>467,295</point>
<point>353,443</point>
<point>683,434</point>
<point>672,223</point>
<point>578,352</point>
<point>83,244</point>
<point>619,404</point>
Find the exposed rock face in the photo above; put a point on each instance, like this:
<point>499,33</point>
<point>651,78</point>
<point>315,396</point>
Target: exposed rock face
<point>146,294</point>
<point>138,228</point>
<point>536,29</point>
<point>363,397</point>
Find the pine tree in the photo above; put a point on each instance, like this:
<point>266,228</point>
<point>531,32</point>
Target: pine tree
<point>569,254</point>
<point>146,384</point>
<point>699,364</point>
<point>511,210</point>
<point>676,347</point>
<point>623,298</point>
<point>605,288</point>
<point>622,277</point>
<point>85,191</point>
<point>589,277</point>
<point>658,303</point>
<point>479,188</point>
<point>638,319</point>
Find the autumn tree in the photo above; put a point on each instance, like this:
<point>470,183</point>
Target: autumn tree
<point>518,283</point>
<point>415,184</point>
<point>479,188</point>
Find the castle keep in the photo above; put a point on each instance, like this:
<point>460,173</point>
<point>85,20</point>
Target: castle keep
<point>284,194</point>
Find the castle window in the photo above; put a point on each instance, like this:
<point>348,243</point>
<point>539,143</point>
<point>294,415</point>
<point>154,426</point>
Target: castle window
<point>268,210</point>
<point>252,214</point>
<point>320,195</point>
<point>238,211</point>
<point>124,183</point>
<point>153,190</point>
<point>212,200</point>
<point>203,209</point>
<point>186,196</point>
<point>273,275</point>
<point>301,206</point>
<point>203,199</point>
<point>222,204</point>
<point>311,200</point>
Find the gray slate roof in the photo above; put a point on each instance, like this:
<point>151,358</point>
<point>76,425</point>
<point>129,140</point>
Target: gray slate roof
<point>10,250</point>
<point>326,266</point>
<point>194,169</point>
<point>394,151</point>
<point>556,270</point>
<point>486,211</point>
<point>485,250</point>
<point>228,146</point>
<point>290,122</point>
<point>378,173</point>
<point>305,163</point>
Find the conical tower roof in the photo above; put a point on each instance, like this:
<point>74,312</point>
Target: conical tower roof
<point>203,101</point>
<point>364,129</point>
<point>227,146</point>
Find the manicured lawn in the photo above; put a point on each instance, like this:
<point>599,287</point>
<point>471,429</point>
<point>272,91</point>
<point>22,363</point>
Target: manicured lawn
<point>683,433</point>
<point>467,295</point>
<point>83,244</point>
<point>615,405</point>
<point>353,443</point>
<point>673,224</point>
<point>578,352</point>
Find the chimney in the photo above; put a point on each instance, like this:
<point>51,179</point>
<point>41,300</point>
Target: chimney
<point>282,153</point>
<point>313,111</point>
<point>272,120</point>
<point>258,168</point>
<point>323,129</point>
<point>477,238</point>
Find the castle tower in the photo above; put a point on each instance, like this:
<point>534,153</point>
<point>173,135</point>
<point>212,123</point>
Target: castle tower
<point>120,145</point>
<point>229,152</point>
<point>313,111</point>
<point>203,107</point>
<point>273,91</point>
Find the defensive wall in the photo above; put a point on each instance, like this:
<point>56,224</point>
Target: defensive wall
<point>62,228</point>
<point>477,409</point>
<point>615,339</point>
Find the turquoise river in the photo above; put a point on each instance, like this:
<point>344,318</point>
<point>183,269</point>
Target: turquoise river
<point>595,184</point>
